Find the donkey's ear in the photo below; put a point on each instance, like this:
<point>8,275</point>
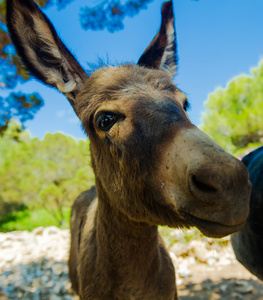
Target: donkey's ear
<point>41,50</point>
<point>161,53</point>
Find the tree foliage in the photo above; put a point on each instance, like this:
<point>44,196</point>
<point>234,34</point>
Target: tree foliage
<point>110,14</point>
<point>19,106</point>
<point>234,115</point>
<point>50,173</point>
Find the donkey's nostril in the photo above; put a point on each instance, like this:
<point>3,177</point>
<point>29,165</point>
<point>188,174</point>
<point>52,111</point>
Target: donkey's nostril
<point>205,185</point>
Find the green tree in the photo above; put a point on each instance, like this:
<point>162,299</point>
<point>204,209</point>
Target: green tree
<point>14,133</point>
<point>49,174</point>
<point>234,115</point>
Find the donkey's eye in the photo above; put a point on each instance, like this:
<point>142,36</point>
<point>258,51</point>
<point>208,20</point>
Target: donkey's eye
<point>186,105</point>
<point>106,120</point>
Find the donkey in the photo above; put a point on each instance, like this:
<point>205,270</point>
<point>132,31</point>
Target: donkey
<point>248,243</point>
<point>152,166</point>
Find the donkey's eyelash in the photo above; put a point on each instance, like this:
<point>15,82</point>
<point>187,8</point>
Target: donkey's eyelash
<point>186,105</point>
<point>106,120</point>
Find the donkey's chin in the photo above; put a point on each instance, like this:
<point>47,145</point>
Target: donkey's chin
<point>211,228</point>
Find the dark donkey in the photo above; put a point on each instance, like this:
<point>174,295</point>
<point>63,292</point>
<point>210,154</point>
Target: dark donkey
<point>248,243</point>
<point>152,166</point>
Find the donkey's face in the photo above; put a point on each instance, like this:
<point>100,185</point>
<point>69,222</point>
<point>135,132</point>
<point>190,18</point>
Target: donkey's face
<point>148,159</point>
<point>151,153</point>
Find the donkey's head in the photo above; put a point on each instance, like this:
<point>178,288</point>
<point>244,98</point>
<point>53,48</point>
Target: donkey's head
<point>150,162</point>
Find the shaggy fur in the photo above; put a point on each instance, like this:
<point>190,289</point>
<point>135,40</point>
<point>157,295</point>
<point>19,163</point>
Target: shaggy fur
<point>152,166</point>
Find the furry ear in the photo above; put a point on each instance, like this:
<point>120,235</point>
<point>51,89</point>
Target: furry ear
<point>41,50</point>
<point>162,51</point>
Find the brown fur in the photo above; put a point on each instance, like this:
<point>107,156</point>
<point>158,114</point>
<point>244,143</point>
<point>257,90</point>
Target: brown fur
<point>152,166</point>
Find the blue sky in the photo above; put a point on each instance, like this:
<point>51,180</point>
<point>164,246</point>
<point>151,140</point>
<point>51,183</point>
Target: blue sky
<point>217,40</point>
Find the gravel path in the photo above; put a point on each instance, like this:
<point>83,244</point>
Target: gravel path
<point>33,265</point>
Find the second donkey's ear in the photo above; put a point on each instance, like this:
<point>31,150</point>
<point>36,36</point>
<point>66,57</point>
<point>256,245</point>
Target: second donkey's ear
<point>161,53</point>
<point>41,50</point>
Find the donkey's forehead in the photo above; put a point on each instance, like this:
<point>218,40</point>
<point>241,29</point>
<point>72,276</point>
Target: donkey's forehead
<point>125,84</point>
<point>123,79</point>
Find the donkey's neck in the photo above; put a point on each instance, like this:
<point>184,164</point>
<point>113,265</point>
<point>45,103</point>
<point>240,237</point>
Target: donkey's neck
<point>126,244</point>
<point>128,258</point>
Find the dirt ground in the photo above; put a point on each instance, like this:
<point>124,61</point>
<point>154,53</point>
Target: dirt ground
<point>232,281</point>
